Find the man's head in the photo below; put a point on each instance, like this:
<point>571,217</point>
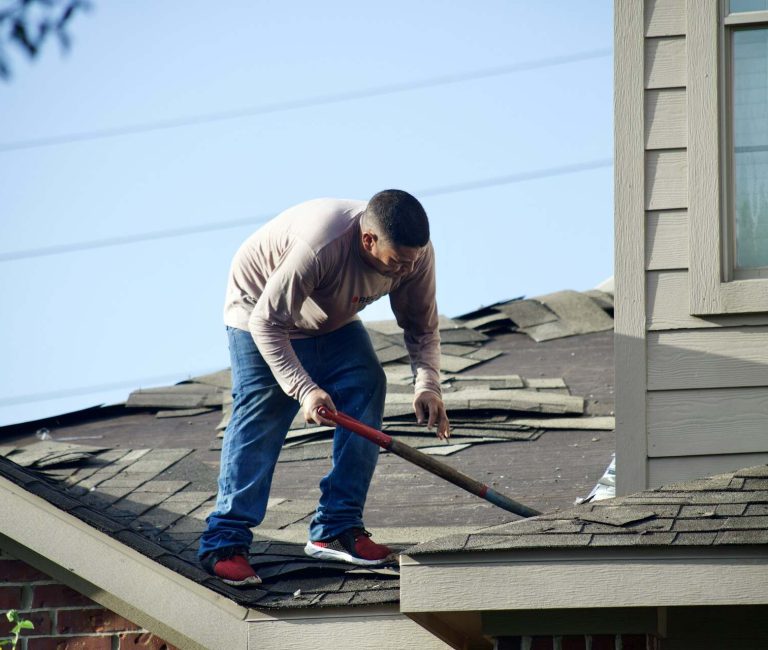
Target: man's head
<point>394,231</point>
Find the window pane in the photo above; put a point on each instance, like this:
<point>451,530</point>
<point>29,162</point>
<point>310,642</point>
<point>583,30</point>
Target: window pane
<point>748,5</point>
<point>750,141</point>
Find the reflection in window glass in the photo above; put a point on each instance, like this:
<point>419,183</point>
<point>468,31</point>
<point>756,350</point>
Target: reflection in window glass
<point>748,5</point>
<point>750,142</point>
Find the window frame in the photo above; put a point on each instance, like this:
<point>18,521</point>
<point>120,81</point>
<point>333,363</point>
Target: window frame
<point>715,288</point>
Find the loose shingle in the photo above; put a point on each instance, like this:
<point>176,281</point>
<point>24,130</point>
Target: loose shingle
<point>578,313</point>
<point>603,299</point>
<point>617,516</point>
<point>449,363</point>
<point>494,319</point>
<point>498,381</point>
<point>391,353</point>
<point>461,335</point>
<point>456,349</point>
<point>604,423</point>
<point>527,313</point>
<point>220,379</point>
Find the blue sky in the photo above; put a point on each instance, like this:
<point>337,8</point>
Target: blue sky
<point>85,327</point>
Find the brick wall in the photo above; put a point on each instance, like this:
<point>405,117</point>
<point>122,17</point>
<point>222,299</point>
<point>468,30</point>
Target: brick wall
<point>64,619</point>
<point>599,642</point>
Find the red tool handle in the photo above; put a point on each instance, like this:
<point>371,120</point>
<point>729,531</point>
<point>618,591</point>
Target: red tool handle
<point>427,462</point>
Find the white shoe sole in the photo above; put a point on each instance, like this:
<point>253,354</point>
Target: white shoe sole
<point>323,553</point>
<point>252,580</point>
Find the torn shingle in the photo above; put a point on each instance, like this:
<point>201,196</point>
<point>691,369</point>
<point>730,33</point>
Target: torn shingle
<point>617,516</point>
<point>527,313</point>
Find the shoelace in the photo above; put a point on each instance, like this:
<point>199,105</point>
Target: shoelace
<point>362,532</point>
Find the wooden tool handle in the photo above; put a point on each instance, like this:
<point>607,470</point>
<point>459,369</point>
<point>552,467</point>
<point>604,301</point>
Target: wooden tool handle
<point>428,463</point>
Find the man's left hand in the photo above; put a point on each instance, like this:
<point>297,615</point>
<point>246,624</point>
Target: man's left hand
<point>428,406</point>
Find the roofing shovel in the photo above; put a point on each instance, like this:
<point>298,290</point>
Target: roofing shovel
<point>428,463</point>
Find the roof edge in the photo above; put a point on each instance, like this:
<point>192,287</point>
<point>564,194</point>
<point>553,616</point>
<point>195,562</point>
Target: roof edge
<point>115,575</point>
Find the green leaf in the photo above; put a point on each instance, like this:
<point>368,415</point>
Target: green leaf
<point>26,625</point>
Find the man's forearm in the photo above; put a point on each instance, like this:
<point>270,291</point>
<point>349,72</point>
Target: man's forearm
<point>424,351</point>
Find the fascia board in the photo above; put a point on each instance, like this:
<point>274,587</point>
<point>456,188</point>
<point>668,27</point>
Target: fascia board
<point>579,579</point>
<point>362,628</point>
<point>116,576</point>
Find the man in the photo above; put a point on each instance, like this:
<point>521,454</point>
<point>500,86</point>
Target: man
<point>294,291</point>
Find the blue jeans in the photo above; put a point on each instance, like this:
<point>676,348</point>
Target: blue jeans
<point>344,364</point>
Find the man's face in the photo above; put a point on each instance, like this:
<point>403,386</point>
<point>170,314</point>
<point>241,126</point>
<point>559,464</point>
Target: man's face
<point>389,260</point>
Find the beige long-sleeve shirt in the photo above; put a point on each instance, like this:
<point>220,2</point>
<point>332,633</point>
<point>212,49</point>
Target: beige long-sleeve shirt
<point>302,275</point>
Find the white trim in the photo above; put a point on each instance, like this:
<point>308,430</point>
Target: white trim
<point>709,293</point>
<point>542,580</point>
<point>746,18</point>
<point>363,628</point>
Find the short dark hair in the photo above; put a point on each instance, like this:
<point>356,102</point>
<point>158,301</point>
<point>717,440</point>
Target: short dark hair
<point>400,218</point>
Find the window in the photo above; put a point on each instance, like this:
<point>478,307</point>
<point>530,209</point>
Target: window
<point>746,182</point>
<point>727,61</point>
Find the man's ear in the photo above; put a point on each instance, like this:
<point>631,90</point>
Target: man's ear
<point>369,239</point>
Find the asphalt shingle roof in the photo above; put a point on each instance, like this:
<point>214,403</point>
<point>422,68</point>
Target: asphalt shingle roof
<point>151,480</point>
<point>722,510</point>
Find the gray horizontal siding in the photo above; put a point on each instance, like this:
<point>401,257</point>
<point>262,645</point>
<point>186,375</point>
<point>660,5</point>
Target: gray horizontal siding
<point>664,471</point>
<point>665,63</point>
<point>666,240</point>
<point>707,358</point>
<point>666,119</point>
<point>667,307</point>
<point>666,180</point>
<point>697,422</point>
<point>664,18</point>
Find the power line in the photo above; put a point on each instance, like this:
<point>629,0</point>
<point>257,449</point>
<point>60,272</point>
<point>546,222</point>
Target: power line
<point>319,100</point>
<point>252,221</point>
<point>517,178</point>
<point>87,390</point>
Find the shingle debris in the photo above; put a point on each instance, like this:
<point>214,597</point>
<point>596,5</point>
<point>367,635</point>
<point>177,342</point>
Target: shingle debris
<point>543,318</point>
<point>472,401</point>
<point>49,454</point>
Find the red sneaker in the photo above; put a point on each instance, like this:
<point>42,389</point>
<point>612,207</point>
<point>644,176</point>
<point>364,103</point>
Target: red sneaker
<point>232,566</point>
<point>354,546</point>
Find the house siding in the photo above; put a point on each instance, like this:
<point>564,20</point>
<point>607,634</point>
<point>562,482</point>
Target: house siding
<point>63,618</point>
<point>705,380</point>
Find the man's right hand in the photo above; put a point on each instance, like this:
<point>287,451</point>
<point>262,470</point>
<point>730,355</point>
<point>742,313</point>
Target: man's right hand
<point>313,401</point>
